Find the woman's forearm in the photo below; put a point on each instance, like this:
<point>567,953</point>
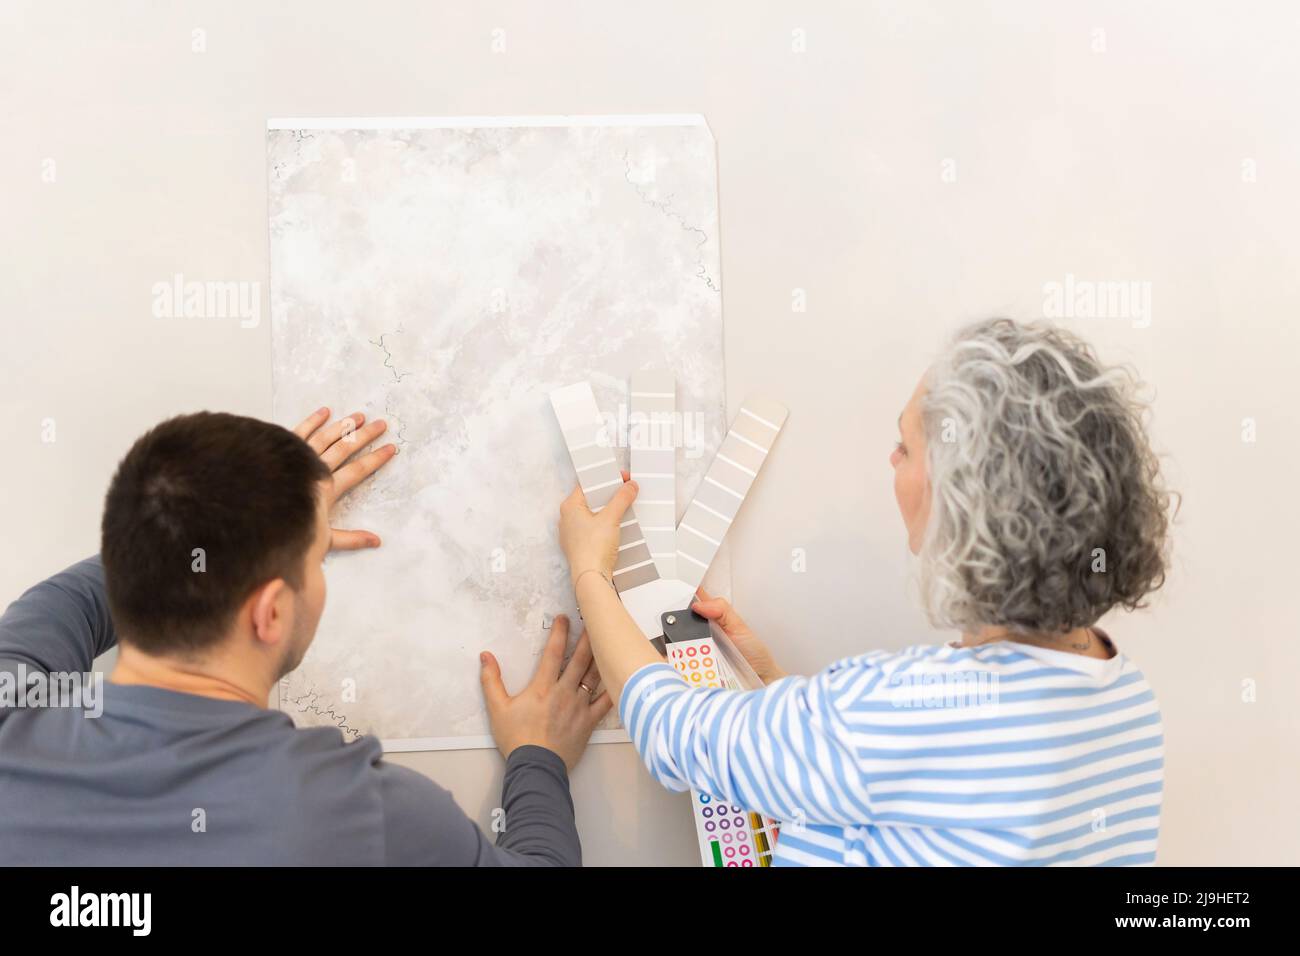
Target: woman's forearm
<point>618,644</point>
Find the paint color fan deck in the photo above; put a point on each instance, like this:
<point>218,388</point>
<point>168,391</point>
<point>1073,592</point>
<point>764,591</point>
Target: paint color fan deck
<point>661,561</point>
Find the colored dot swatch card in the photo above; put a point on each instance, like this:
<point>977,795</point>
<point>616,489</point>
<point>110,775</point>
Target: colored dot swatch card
<point>728,834</point>
<point>697,662</point>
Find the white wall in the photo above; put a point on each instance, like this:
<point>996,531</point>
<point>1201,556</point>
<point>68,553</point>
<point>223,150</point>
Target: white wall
<point>1123,164</point>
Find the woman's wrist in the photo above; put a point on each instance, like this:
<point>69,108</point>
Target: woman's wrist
<point>593,572</point>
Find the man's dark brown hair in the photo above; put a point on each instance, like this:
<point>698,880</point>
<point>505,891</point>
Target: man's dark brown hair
<point>242,490</point>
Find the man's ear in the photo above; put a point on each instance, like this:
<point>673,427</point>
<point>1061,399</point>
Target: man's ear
<point>270,605</point>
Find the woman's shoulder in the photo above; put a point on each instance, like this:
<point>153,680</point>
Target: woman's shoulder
<point>918,657</point>
<point>1020,675</point>
<point>1002,656</point>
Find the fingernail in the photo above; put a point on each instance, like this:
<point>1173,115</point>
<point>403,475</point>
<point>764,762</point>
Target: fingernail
<point>374,541</point>
<point>322,410</point>
<point>482,658</point>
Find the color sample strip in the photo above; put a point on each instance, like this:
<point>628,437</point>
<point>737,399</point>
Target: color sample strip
<point>724,834</point>
<point>764,833</point>
<point>651,438</point>
<point>725,485</point>
<point>697,661</point>
<point>724,830</point>
<point>595,461</point>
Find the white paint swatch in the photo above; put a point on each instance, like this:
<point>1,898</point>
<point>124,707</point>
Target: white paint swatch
<point>596,463</point>
<point>651,440</point>
<point>709,516</point>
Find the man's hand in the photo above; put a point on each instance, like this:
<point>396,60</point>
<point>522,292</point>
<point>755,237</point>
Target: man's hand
<point>337,443</point>
<point>755,651</point>
<point>590,540</point>
<point>555,710</point>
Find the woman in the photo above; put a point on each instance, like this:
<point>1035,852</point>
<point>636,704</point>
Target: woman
<point>1034,502</point>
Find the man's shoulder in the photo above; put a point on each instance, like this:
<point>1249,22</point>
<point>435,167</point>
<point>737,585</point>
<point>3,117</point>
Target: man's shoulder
<point>318,754</point>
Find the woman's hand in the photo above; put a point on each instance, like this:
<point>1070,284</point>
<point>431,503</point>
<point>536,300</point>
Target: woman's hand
<point>590,540</point>
<point>755,651</point>
<point>556,709</point>
<point>335,444</point>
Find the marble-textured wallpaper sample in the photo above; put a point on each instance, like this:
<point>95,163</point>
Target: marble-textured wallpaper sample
<point>447,276</point>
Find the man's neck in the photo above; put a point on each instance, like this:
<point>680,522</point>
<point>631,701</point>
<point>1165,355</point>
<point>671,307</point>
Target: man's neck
<point>206,679</point>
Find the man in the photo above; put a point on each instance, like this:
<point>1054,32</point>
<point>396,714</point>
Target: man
<point>214,532</point>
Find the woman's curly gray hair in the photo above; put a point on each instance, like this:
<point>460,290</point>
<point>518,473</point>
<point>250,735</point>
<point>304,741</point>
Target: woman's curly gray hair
<point>1047,505</point>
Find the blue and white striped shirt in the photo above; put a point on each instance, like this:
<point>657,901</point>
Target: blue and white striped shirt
<point>1002,754</point>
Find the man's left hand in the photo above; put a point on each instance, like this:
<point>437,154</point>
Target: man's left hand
<point>336,443</point>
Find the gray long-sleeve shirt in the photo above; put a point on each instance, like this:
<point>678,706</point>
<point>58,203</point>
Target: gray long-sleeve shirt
<point>164,778</point>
